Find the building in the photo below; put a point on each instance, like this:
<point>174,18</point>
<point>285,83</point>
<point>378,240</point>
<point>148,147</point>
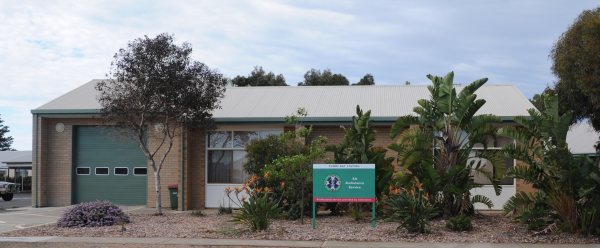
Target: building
<point>76,159</point>
<point>15,166</point>
<point>582,139</point>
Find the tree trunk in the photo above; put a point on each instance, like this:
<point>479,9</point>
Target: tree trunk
<point>158,195</point>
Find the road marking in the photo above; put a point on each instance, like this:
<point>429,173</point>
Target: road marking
<point>24,239</point>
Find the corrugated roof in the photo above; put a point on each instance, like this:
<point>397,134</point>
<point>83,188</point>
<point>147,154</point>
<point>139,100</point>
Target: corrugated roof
<point>581,138</point>
<point>12,157</point>
<point>320,101</point>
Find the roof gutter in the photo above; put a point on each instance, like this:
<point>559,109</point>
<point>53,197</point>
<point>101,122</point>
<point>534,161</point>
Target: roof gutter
<point>65,111</point>
<point>313,120</point>
<point>238,120</point>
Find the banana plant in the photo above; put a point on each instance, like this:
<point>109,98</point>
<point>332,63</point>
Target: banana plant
<point>566,184</point>
<point>435,145</point>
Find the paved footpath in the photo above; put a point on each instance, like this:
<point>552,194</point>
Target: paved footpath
<point>86,242</point>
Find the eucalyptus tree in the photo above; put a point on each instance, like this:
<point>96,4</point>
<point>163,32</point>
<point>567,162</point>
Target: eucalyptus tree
<point>314,77</point>
<point>259,77</point>
<point>435,146</point>
<point>154,89</point>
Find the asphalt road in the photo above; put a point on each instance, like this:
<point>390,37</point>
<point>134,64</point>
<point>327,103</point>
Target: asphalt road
<point>19,218</point>
<point>19,200</point>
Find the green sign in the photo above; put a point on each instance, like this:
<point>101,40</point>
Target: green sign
<point>343,183</point>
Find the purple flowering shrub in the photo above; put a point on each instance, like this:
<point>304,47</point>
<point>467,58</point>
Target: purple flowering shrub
<point>92,214</point>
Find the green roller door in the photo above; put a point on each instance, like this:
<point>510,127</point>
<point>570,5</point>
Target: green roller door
<point>106,167</point>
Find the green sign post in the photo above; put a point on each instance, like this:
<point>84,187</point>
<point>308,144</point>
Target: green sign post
<point>343,183</point>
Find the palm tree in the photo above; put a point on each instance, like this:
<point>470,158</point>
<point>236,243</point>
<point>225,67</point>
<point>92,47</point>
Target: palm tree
<point>435,146</point>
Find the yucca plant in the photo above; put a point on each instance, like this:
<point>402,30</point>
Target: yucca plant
<point>435,145</point>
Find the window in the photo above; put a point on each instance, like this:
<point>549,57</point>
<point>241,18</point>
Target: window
<point>121,171</point>
<point>486,165</point>
<point>102,171</point>
<point>226,154</point>
<point>138,171</point>
<point>82,171</point>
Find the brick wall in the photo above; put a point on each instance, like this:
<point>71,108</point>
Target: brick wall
<point>170,172</point>
<point>523,186</point>
<point>195,159</point>
<point>335,135</point>
<point>54,163</point>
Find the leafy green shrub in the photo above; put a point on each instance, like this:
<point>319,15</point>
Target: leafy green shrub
<point>295,174</point>
<point>225,210</point>
<point>411,208</point>
<point>459,223</point>
<point>356,212</point>
<point>536,218</point>
<point>257,212</point>
<point>92,214</point>
<point>198,213</point>
<point>283,166</point>
<point>261,152</point>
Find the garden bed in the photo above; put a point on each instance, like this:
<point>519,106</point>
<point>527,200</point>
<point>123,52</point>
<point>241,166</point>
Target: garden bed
<point>487,229</point>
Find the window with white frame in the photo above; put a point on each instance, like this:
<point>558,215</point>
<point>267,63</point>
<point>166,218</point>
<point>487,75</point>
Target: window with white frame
<point>83,171</point>
<point>139,171</point>
<point>101,171</point>
<point>121,171</point>
<point>226,154</point>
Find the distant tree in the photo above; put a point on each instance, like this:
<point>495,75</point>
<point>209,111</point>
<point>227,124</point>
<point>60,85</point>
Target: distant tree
<point>5,140</point>
<point>366,80</point>
<point>155,88</point>
<point>258,77</point>
<point>315,77</point>
<point>577,67</point>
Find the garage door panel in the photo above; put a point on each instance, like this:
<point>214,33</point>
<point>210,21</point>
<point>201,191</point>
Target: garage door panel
<point>98,147</point>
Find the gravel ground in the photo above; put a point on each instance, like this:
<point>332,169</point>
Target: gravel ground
<point>487,229</point>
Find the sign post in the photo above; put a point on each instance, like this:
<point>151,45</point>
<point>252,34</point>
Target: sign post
<point>343,183</point>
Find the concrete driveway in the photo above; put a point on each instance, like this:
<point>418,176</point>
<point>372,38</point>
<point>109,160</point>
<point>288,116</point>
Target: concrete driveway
<point>24,217</point>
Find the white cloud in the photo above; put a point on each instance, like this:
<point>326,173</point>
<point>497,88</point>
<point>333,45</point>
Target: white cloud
<point>48,48</point>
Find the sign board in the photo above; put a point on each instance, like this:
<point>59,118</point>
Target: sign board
<point>343,183</point>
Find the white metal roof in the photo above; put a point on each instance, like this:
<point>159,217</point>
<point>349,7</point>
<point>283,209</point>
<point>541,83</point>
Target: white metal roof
<point>8,158</point>
<point>320,101</point>
<point>581,138</point>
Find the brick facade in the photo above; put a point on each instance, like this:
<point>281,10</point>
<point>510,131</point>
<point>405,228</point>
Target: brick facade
<point>335,134</point>
<point>53,166</point>
<point>54,151</point>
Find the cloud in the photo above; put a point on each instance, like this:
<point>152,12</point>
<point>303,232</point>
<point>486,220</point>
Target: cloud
<point>48,48</point>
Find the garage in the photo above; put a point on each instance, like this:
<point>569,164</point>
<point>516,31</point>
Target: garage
<point>107,167</point>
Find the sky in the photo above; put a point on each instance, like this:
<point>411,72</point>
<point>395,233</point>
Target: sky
<point>48,48</point>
